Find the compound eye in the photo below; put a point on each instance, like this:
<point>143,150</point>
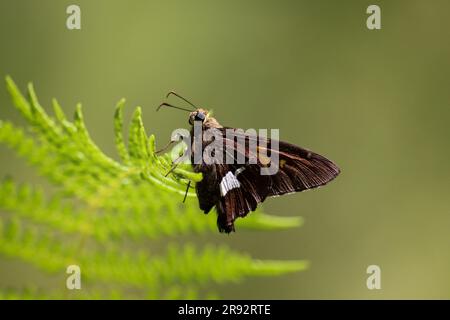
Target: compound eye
<point>200,116</point>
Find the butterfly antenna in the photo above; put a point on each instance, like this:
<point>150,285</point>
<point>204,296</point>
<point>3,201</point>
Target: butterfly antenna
<point>171,106</point>
<point>182,98</point>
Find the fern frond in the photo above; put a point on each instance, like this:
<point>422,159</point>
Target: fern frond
<point>104,202</point>
<point>179,265</point>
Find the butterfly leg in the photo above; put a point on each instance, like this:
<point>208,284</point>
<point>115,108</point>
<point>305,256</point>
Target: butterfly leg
<point>176,162</point>
<point>187,190</point>
<point>165,147</point>
<point>171,169</point>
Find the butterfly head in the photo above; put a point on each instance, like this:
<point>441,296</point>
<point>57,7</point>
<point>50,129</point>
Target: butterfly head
<point>204,116</point>
<point>198,115</point>
<point>195,114</point>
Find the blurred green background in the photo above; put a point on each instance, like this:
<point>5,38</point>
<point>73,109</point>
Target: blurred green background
<point>376,102</point>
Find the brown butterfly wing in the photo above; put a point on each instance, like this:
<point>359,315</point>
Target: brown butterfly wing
<point>235,202</point>
<point>299,170</point>
<point>239,201</point>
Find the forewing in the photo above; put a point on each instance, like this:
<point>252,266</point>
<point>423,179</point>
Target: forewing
<point>237,188</point>
<point>299,170</point>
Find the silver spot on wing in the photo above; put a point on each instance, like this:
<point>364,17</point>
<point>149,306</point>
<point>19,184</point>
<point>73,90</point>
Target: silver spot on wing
<point>228,183</point>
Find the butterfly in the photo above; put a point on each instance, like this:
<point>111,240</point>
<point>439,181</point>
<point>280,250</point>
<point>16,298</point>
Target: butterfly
<point>235,188</point>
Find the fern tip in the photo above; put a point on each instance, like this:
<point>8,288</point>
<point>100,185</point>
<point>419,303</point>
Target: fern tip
<point>278,267</point>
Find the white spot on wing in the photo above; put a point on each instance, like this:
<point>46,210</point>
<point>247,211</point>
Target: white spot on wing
<point>239,170</point>
<point>229,182</point>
